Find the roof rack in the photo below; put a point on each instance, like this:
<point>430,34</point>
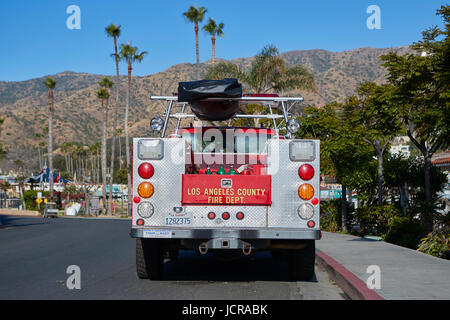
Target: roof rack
<point>286,104</point>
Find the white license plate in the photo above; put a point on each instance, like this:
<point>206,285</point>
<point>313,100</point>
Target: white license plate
<point>178,219</point>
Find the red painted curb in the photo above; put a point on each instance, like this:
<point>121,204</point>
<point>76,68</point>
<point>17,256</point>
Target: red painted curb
<point>352,286</point>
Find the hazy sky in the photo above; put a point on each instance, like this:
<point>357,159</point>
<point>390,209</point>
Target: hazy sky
<point>36,41</point>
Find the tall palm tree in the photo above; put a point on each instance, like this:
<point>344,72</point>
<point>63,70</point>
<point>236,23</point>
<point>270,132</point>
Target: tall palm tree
<point>3,151</point>
<point>103,94</point>
<point>50,83</point>
<point>195,16</point>
<point>114,31</point>
<point>119,132</point>
<point>130,55</point>
<point>213,29</point>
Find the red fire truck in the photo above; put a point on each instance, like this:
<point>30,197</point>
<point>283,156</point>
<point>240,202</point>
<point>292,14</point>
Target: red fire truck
<point>231,191</point>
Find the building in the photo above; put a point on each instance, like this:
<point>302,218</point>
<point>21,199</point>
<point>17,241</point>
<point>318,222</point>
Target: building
<point>401,145</point>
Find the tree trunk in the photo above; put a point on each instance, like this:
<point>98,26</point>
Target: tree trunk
<point>427,219</point>
<point>380,177</point>
<point>113,142</point>
<point>50,144</point>
<point>196,44</point>
<point>40,159</point>
<point>406,198</point>
<point>344,208</point>
<point>127,138</point>
<point>213,40</point>
<point>120,153</point>
<point>428,216</point>
<point>105,119</point>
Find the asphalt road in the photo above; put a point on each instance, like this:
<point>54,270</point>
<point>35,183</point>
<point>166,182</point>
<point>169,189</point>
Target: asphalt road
<point>35,253</point>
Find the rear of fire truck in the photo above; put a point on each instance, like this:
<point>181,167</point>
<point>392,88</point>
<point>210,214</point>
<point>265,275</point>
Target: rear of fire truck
<point>225,190</point>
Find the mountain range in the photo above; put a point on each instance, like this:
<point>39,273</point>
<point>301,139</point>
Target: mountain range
<point>23,104</point>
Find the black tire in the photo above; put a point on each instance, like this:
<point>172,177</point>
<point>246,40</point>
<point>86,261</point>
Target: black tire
<point>301,262</point>
<point>149,259</point>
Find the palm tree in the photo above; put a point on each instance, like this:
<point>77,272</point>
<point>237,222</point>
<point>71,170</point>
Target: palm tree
<point>50,84</point>
<point>103,94</point>
<point>129,54</point>
<point>114,31</point>
<point>119,132</point>
<point>3,151</point>
<point>268,72</point>
<point>213,29</point>
<point>195,16</point>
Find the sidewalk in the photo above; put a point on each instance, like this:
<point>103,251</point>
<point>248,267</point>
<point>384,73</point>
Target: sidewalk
<point>405,273</point>
<point>17,212</point>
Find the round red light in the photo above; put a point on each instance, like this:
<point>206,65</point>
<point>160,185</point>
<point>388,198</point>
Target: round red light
<point>211,215</point>
<point>136,199</point>
<point>240,215</point>
<point>225,216</point>
<point>311,224</point>
<point>146,170</point>
<point>140,222</point>
<point>306,172</point>
<point>315,201</point>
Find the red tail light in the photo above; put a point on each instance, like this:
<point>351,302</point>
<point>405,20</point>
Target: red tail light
<point>146,170</point>
<point>240,215</point>
<point>140,222</point>
<point>225,216</point>
<point>211,215</point>
<point>306,172</point>
<point>311,224</point>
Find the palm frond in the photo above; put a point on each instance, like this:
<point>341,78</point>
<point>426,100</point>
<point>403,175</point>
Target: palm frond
<point>106,83</point>
<point>50,83</point>
<point>113,31</point>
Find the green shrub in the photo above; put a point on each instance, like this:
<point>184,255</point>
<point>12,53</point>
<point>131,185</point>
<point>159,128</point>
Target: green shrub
<point>436,244</point>
<point>331,216</point>
<point>374,219</point>
<point>30,197</point>
<point>404,231</point>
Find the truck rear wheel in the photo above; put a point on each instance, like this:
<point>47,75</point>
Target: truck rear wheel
<point>301,262</point>
<point>149,258</point>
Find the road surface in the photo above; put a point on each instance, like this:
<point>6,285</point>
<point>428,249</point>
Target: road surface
<point>35,254</point>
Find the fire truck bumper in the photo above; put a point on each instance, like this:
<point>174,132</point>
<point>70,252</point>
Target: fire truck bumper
<point>260,233</point>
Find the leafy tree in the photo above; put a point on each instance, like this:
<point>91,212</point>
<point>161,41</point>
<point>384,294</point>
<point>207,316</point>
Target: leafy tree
<point>195,16</point>
<point>130,55</point>
<point>375,119</point>
<point>214,30</point>
<point>121,175</point>
<point>113,31</point>
<point>50,83</point>
<point>341,153</point>
<point>422,91</point>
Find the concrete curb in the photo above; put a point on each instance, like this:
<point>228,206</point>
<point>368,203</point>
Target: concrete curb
<point>93,218</point>
<point>352,286</point>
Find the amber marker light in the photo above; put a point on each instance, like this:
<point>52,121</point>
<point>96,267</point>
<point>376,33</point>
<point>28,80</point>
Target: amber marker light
<point>146,190</point>
<point>306,191</point>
